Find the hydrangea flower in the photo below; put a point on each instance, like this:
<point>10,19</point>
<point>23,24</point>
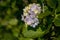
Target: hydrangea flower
<point>30,14</point>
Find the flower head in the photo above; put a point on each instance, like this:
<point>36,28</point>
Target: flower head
<point>30,13</point>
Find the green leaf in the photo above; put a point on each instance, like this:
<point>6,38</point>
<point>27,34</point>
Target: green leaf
<point>42,15</point>
<point>57,20</point>
<point>13,21</point>
<point>58,2</point>
<point>2,3</point>
<point>58,8</point>
<point>51,3</point>
<point>15,32</point>
<point>8,11</point>
<point>33,1</point>
<point>22,38</point>
<point>40,1</point>
<point>45,8</point>
<point>4,22</point>
<point>6,36</point>
<point>58,37</point>
<point>53,33</point>
<point>13,4</point>
<point>40,39</point>
<point>33,34</point>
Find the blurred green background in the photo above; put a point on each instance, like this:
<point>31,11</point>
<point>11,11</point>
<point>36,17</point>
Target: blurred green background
<point>13,28</point>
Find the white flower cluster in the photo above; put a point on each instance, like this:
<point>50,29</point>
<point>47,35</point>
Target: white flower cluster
<point>30,13</point>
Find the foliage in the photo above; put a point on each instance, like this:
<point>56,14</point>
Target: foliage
<point>13,28</point>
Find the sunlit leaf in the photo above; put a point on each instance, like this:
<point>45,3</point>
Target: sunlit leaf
<point>13,21</point>
<point>57,20</point>
<point>33,34</point>
<point>21,38</point>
